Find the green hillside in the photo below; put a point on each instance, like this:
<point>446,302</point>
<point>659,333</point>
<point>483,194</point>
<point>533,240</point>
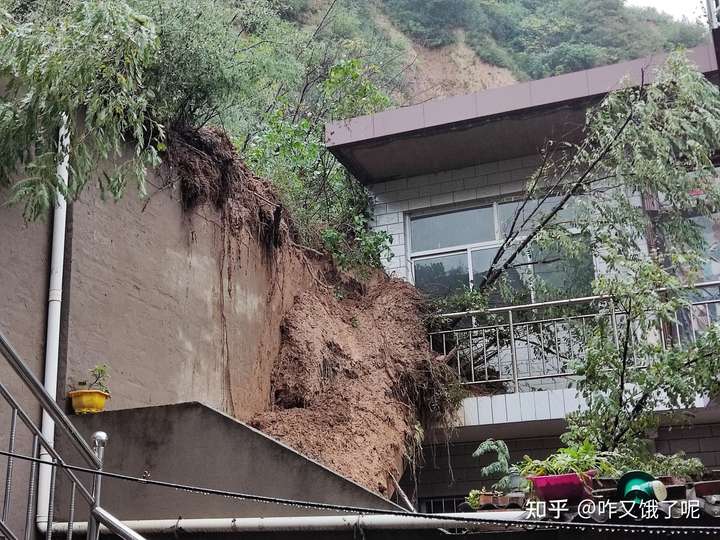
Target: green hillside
<point>272,73</point>
<point>533,38</point>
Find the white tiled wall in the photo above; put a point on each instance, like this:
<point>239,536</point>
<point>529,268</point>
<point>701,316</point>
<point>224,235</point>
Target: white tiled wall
<point>396,199</point>
<point>528,406</point>
<point>520,407</point>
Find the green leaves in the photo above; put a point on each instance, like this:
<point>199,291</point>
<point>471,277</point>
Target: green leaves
<point>88,64</point>
<point>498,467</point>
<point>540,39</point>
<point>578,459</point>
<point>330,207</point>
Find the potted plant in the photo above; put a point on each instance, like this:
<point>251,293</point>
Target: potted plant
<point>508,490</point>
<point>567,474</point>
<point>90,397</point>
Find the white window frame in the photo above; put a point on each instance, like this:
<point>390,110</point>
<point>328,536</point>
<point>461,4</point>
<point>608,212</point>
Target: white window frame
<point>456,249</point>
<point>467,248</point>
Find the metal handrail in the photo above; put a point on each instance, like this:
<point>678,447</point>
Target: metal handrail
<point>554,303</point>
<point>114,524</point>
<point>48,404</point>
<point>25,418</point>
<point>93,456</point>
<point>517,349</point>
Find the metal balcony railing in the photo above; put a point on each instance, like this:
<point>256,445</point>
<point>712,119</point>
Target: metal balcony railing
<point>23,429</point>
<point>533,346</point>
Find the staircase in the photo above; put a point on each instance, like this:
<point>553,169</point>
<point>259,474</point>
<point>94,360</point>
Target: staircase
<point>29,453</point>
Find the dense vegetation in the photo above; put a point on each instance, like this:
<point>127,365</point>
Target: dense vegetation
<point>539,38</point>
<point>151,67</point>
<point>271,73</point>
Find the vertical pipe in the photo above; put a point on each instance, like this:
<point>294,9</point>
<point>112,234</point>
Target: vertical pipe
<point>52,339</point>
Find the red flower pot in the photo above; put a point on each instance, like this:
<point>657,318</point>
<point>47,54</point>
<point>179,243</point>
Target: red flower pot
<point>572,486</point>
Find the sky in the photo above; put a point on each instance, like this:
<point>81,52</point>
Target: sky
<point>692,9</point>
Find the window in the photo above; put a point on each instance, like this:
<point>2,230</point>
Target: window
<point>453,229</point>
<point>455,249</point>
<point>710,227</point>
<point>441,275</point>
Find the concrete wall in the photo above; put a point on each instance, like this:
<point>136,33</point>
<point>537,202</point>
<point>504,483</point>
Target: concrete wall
<point>397,199</point>
<point>193,444</point>
<point>23,306</point>
<point>179,310</point>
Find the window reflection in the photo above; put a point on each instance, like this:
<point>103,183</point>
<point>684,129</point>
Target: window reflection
<point>558,276</point>
<point>439,276</point>
<point>512,290</point>
<point>460,228</point>
<point>544,276</point>
<point>710,227</point>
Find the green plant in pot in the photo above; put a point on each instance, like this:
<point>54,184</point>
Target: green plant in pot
<point>511,481</point>
<point>90,395</point>
<point>567,474</point>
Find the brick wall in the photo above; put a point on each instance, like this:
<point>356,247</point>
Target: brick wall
<point>453,472</point>
<point>701,441</point>
<point>397,199</point>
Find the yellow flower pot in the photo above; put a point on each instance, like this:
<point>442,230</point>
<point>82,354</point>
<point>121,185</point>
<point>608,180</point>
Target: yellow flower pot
<point>88,401</point>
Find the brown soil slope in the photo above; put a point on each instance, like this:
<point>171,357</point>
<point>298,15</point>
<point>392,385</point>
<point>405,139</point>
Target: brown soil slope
<point>354,374</point>
<point>337,383</point>
<point>441,72</point>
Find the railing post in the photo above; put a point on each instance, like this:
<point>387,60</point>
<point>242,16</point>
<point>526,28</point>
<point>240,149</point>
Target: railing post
<point>513,352</point>
<point>99,439</point>
<point>613,320</point>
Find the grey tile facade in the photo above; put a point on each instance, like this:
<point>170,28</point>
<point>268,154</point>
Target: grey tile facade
<point>397,200</point>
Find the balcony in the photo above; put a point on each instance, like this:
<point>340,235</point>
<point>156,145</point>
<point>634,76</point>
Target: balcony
<point>517,360</point>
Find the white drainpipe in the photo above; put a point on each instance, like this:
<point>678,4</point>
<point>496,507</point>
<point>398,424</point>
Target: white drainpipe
<point>311,523</point>
<point>52,338</point>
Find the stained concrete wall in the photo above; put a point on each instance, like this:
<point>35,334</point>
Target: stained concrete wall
<point>178,310</point>
<point>23,300</point>
<point>193,444</point>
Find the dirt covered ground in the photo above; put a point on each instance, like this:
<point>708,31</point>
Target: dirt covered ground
<point>337,386</point>
<point>354,379</point>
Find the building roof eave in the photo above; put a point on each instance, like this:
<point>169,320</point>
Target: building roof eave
<point>500,123</point>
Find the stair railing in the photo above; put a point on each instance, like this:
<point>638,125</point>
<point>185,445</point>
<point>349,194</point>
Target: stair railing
<point>92,457</point>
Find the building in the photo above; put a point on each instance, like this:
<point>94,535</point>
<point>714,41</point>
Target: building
<point>444,175</point>
<point>465,158</point>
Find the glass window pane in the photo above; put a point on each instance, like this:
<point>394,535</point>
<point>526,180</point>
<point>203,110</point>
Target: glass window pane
<point>558,276</point>
<point>506,213</point>
<point>453,229</point>
<point>710,227</point>
<point>510,289</point>
<point>439,276</point>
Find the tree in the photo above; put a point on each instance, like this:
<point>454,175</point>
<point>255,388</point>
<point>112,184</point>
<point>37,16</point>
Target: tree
<point>88,65</point>
<point>128,72</point>
<point>637,185</point>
